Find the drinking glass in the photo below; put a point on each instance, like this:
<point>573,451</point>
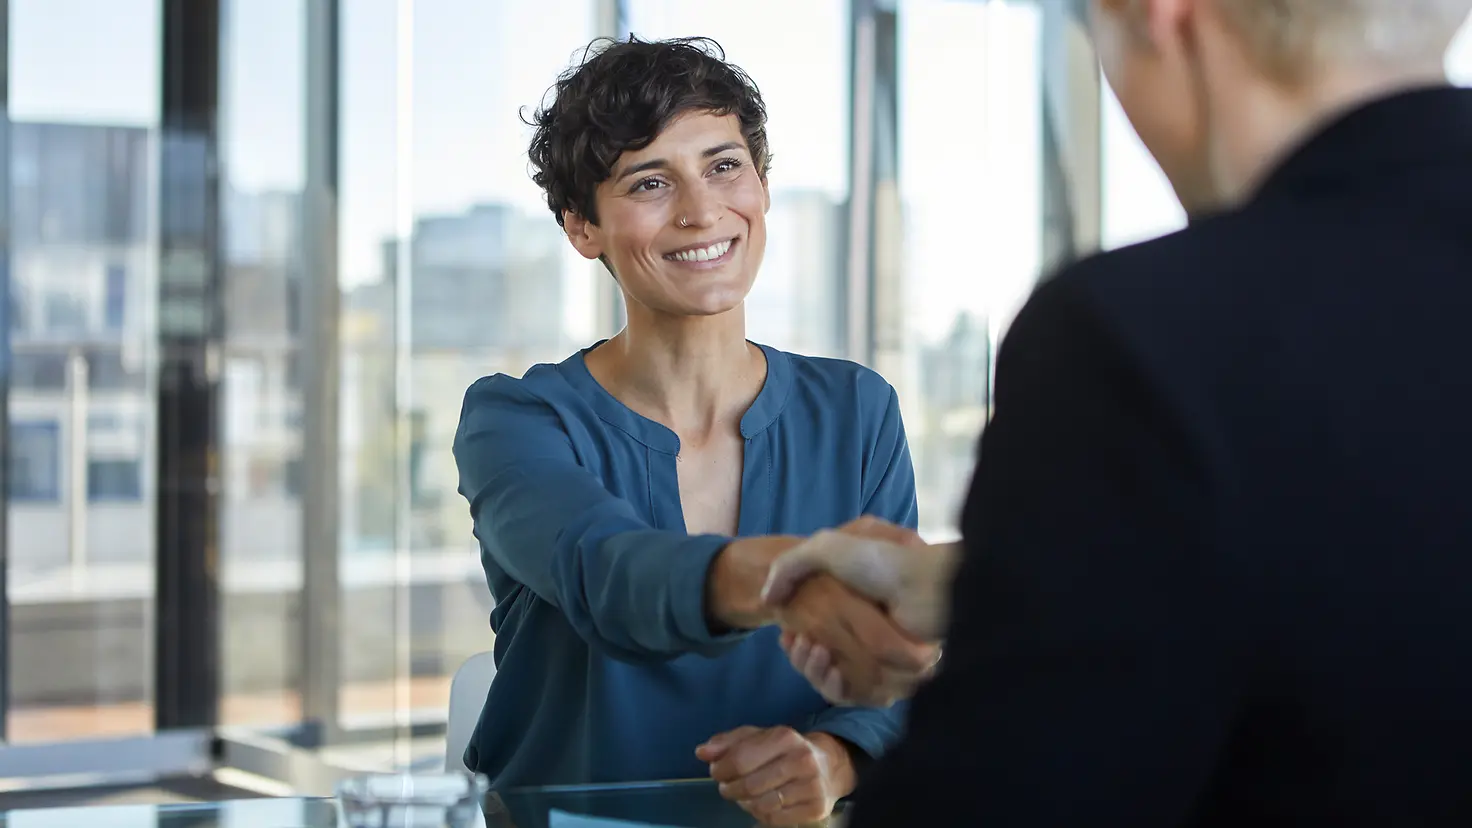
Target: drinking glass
<point>412,800</point>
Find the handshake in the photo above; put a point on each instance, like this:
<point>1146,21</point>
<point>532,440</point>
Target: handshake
<point>861,607</point>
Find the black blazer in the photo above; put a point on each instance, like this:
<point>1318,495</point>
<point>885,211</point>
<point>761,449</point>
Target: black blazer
<point>1219,541</point>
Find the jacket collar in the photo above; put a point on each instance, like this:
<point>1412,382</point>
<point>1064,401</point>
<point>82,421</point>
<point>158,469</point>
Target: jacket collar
<point>1427,126</point>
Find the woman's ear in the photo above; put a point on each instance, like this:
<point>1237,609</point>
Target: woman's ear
<point>582,234</point>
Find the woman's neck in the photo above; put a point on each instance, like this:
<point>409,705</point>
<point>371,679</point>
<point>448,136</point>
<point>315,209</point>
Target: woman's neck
<point>691,374</point>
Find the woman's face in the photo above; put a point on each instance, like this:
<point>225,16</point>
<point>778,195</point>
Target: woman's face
<point>683,220</point>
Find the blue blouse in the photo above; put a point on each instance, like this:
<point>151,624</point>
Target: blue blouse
<point>607,668</point>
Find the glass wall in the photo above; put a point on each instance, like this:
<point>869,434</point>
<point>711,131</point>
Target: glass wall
<point>446,267</point>
<point>84,109</point>
<point>262,76</point>
<point>971,185</point>
<point>375,121</point>
<point>493,287</point>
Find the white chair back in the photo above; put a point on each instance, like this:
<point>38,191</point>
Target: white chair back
<point>468,690</point>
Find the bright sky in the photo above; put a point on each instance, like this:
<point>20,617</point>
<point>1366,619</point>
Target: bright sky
<point>970,110</point>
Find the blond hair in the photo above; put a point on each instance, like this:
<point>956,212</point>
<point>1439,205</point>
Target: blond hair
<point>1293,35</point>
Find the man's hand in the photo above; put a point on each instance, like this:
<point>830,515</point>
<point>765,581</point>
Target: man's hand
<point>853,654</point>
<point>778,775</point>
<point>887,563</point>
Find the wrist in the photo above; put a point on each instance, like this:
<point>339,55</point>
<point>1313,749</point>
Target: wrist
<point>733,589</point>
<point>843,774</point>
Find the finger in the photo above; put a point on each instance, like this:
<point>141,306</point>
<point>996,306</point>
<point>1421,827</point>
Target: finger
<point>788,639</point>
<point>718,745</point>
<point>798,805</point>
<point>797,766</point>
<point>832,687</point>
<point>800,653</point>
<point>754,752</point>
<point>819,662</point>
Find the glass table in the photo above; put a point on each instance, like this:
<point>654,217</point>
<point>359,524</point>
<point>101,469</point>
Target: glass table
<point>678,804</point>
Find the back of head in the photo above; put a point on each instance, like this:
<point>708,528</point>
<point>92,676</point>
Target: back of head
<point>1219,89</point>
<point>1294,37</point>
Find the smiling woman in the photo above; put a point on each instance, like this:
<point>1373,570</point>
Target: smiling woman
<point>629,499</point>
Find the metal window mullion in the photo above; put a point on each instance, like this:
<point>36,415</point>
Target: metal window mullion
<point>5,259</point>
<point>872,293</point>
<point>1072,140</point>
<point>612,20</point>
<point>857,274</point>
<point>320,654</point>
<point>187,575</point>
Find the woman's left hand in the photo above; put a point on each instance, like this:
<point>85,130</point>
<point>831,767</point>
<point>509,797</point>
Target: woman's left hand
<point>778,775</point>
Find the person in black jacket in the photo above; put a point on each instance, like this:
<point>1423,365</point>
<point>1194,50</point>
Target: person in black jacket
<point>1216,564</point>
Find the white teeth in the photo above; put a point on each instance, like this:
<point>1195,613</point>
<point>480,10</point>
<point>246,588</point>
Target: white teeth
<point>704,254</point>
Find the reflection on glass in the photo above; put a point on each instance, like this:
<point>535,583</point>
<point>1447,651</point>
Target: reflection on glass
<point>492,286</point>
<point>796,302</point>
<point>367,473</point>
<point>970,173</point>
<point>249,813</point>
<point>84,101</point>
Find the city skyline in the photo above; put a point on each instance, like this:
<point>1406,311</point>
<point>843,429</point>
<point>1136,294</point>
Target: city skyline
<point>476,65</point>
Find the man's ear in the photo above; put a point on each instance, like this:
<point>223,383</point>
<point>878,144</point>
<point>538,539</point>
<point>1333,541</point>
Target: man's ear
<point>1166,20</point>
<point>582,234</point>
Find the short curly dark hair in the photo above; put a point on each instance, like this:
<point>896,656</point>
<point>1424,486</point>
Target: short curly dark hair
<point>619,98</point>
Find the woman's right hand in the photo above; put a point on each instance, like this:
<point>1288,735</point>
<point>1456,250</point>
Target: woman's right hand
<point>849,649</point>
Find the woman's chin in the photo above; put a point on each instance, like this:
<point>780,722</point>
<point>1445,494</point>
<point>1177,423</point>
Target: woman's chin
<point>707,310</point>
<point>710,303</point>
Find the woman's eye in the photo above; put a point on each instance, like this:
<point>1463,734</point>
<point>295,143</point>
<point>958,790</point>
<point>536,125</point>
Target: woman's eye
<point>649,184</point>
<point>727,165</point>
